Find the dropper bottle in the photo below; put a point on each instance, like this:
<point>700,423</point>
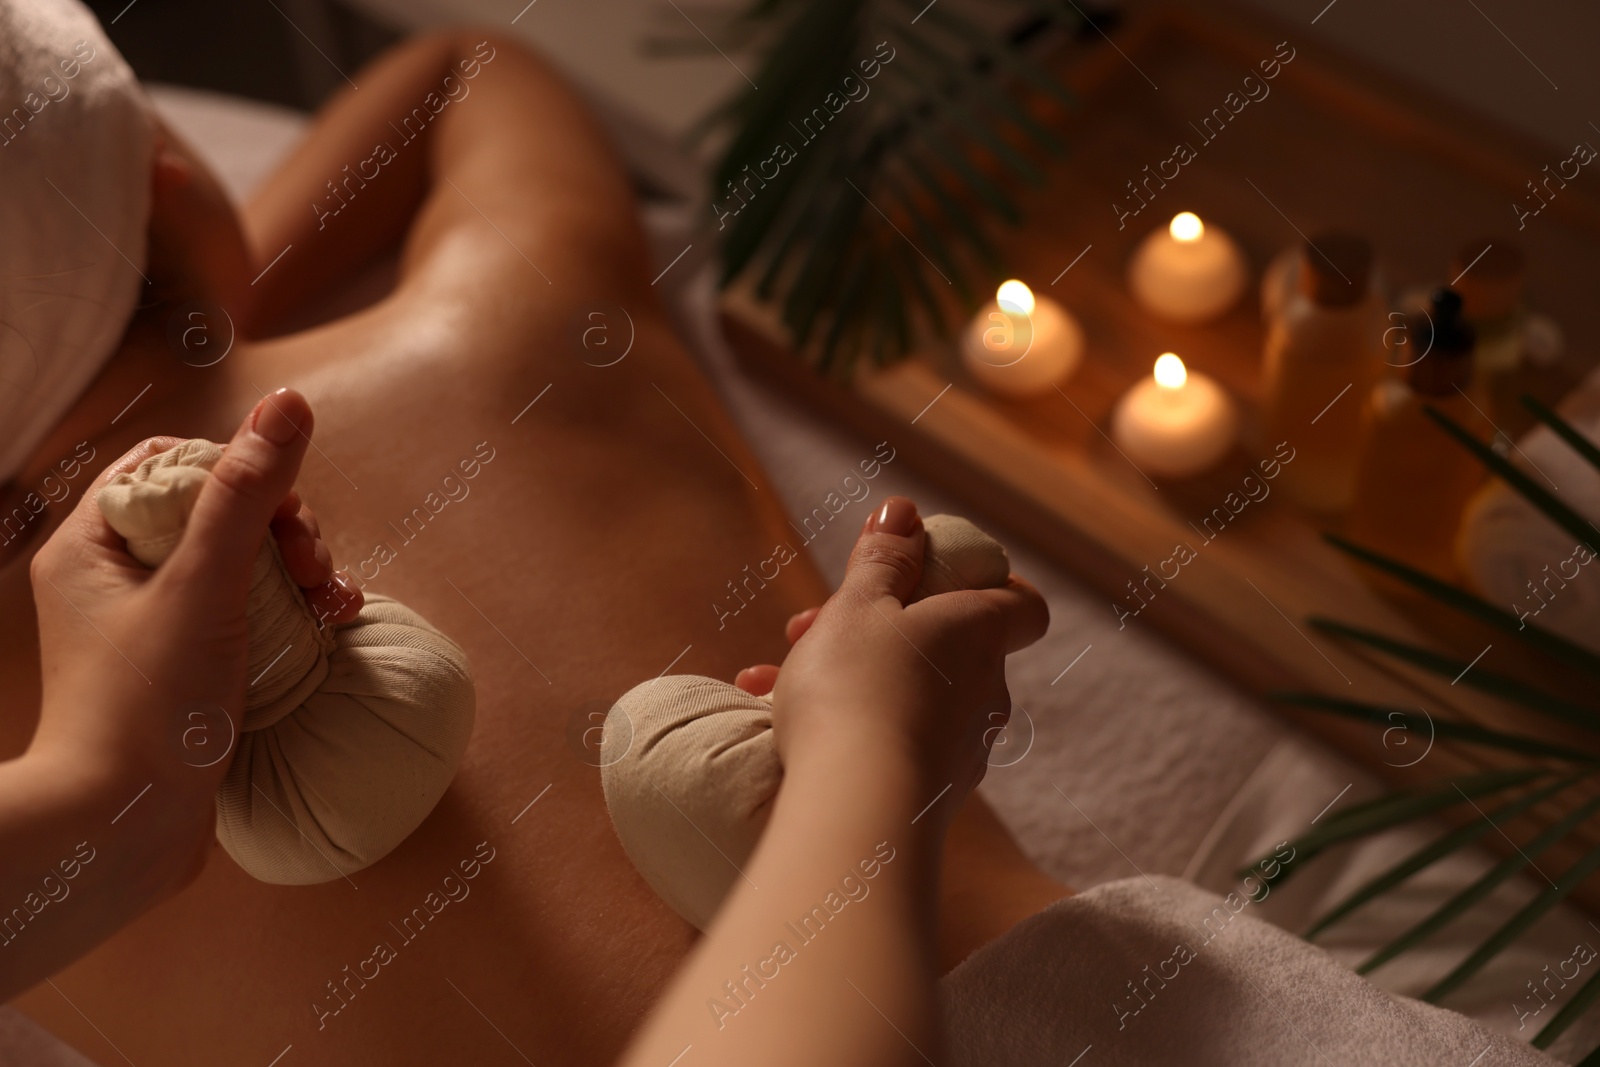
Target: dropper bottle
<point>1412,478</point>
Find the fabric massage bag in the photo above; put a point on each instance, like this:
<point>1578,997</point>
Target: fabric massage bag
<point>351,733</point>
<point>689,765</point>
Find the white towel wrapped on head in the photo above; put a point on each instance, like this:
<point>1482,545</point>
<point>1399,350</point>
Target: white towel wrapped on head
<point>77,143</point>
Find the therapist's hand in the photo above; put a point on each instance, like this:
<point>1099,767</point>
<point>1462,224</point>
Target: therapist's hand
<point>143,672</point>
<point>922,685</point>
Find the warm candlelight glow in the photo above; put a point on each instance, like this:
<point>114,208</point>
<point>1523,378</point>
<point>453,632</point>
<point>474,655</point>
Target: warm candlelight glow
<point>1191,273</point>
<point>1015,297</point>
<point>1020,345</point>
<point>1174,424</point>
<point>1186,226</point>
<point>1170,372</point>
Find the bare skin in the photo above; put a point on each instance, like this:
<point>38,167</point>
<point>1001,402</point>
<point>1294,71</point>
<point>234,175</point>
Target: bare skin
<point>585,558</point>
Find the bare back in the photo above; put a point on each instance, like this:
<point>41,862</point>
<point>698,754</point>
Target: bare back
<point>573,547</point>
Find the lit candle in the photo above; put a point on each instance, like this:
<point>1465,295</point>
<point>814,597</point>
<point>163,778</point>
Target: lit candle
<point>1174,423</point>
<point>1021,345</point>
<point>1188,273</point>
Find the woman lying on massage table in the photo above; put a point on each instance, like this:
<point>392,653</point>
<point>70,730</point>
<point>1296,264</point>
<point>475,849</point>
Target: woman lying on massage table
<point>606,510</point>
<point>602,523</point>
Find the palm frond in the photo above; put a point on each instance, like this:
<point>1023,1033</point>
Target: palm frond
<point>1467,733</point>
<point>1478,890</point>
<point>1553,645</point>
<point>945,100</point>
<point>967,81</point>
<point>1570,1012</point>
<point>1395,809</point>
<point>1564,430</point>
<point>1513,927</point>
<point>1552,506</point>
<point>952,212</point>
<point>931,243</point>
<point>992,51</point>
<point>1438,849</point>
<point>1480,678</point>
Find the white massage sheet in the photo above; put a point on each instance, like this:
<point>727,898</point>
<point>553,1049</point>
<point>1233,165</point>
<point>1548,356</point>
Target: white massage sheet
<point>1140,761</point>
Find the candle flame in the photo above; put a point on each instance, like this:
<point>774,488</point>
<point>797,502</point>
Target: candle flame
<point>1186,226</point>
<point>1170,372</point>
<point>1014,297</point>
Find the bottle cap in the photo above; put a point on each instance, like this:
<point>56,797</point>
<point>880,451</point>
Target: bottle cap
<point>1448,341</point>
<point>1335,268</point>
<point>1488,275</point>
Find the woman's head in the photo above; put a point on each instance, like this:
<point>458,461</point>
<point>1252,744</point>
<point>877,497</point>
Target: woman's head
<point>101,208</point>
<point>77,143</point>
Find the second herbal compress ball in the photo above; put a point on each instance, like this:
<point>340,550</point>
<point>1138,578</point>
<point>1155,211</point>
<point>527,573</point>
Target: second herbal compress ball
<point>689,765</point>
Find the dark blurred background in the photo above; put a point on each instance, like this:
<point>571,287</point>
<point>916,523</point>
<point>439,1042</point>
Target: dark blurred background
<point>1530,65</point>
<point>262,49</point>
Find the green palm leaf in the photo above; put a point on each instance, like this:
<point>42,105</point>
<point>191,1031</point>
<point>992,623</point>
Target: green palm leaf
<point>1564,430</point>
<point>1468,733</point>
<point>994,198</point>
<point>1535,494</point>
<point>988,93</point>
<point>969,33</point>
<point>953,212</point>
<point>1543,640</point>
<point>955,106</point>
<point>931,242</point>
<point>1570,1012</point>
<point>1432,853</point>
<point>1479,678</point>
<point>799,225</point>
<point>894,322</point>
<point>1395,809</point>
<point>818,276</point>
<point>948,91</point>
<point>1398,807</point>
<point>933,312</point>
<point>1514,927</point>
<point>817,48</point>
<point>1479,889</point>
<point>854,281</point>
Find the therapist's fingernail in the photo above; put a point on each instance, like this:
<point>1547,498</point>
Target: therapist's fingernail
<point>897,516</point>
<point>281,416</point>
<point>349,591</point>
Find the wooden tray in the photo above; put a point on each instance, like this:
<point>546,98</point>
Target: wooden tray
<point>1334,144</point>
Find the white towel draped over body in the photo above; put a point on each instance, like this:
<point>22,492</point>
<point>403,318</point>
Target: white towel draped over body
<point>77,142</point>
<point>1155,970</point>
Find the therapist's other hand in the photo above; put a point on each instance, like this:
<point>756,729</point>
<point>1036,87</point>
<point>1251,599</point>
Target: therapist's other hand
<point>924,682</point>
<point>143,672</point>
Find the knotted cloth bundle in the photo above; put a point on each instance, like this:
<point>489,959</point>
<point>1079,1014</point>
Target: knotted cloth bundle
<point>350,734</point>
<point>689,765</point>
